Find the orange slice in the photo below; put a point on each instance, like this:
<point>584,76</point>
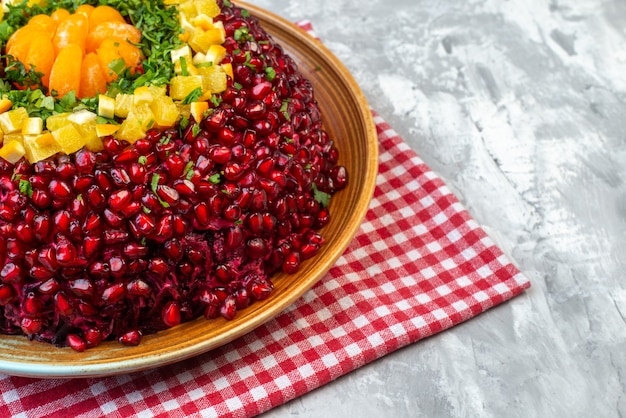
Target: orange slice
<point>103,14</point>
<point>92,79</point>
<point>108,30</point>
<point>72,30</point>
<point>85,10</point>
<point>65,73</point>
<point>60,15</point>
<point>41,57</point>
<point>112,50</point>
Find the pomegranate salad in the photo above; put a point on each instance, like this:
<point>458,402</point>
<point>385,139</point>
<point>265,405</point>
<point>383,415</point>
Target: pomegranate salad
<point>159,161</point>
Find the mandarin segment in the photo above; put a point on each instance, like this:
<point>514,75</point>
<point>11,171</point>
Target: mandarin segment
<point>92,80</point>
<point>103,14</point>
<point>73,30</point>
<point>65,73</point>
<point>41,57</point>
<point>111,30</point>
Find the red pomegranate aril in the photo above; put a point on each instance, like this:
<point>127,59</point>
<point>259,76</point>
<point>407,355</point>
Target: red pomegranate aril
<point>323,218</point>
<point>117,266</point>
<point>234,237</point>
<point>220,154</point>
<point>130,338</point>
<point>127,156</point>
<point>175,165</point>
<point>120,177</point>
<point>95,197</point>
<point>7,213</point>
<point>159,267</point>
<point>201,212</point>
<point>173,249</point>
<point>260,289</point>
<point>40,273</point>
<point>31,306</point>
<point>171,314</point>
<point>76,343</point>
<point>292,263</point>
<point>59,190</point>
<point>256,248</point>
<point>135,250</point>
<point>86,308</point>
<point>65,252</point>
<point>49,287</point>
<point>138,287</point>
<point>112,237</point>
<point>93,337</point>
<point>232,212</point>
<point>92,223</point>
<point>164,229</point>
<point>168,195</point>
<point>12,273</point>
<point>24,233</point>
<point>61,220</point>
<point>137,173</point>
<point>145,223</point>
<point>40,198</point>
<point>119,199</point>
<point>185,187</point>
<point>114,293</point>
<point>228,310</point>
<point>82,182</point>
<point>6,294</point>
<point>81,287</point>
<point>31,326</point>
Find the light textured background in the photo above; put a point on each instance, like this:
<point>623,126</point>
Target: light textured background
<point>520,106</point>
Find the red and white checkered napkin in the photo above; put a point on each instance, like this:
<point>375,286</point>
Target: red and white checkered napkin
<point>418,265</point>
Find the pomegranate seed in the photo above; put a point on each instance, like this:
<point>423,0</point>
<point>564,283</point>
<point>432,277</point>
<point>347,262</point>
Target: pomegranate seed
<point>6,294</point>
<point>81,287</point>
<point>85,161</point>
<point>31,306</point>
<point>144,223</point>
<point>168,195</point>
<point>40,273</point>
<point>11,273</point>
<point>117,266</point>
<point>171,314</point>
<point>292,263</point>
<point>24,233</point>
<point>76,343</point>
<point>60,190</point>
<point>114,293</point>
<point>260,289</point>
<point>93,337</point>
<point>228,309</point>
<point>65,252</point>
<point>40,198</point>
<point>134,250</point>
<point>31,326</point>
<point>138,287</point>
<point>130,338</point>
<point>119,199</point>
<point>49,287</point>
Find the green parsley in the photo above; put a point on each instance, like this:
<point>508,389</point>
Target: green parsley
<point>195,130</point>
<point>26,188</point>
<point>215,178</point>
<point>193,96</point>
<point>227,3</point>
<point>154,183</point>
<point>216,100</point>
<point>270,73</point>
<point>321,197</point>
<point>284,109</point>
<point>143,160</point>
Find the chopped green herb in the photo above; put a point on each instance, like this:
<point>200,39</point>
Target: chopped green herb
<point>321,197</point>
<point>216,100</point>
<point>117,66</point>
<point>184,122</point>
<point>143,160</point>
<point>227,3</point>
<point>238,222</point>
<point>270,73</point>
<point>245,13</point>
<point>193,96</point>
<point>146,210</point>
<point>237,86</point>
<point>154,183</point>
<point>284,109</point>
<point>183,66</point>
<point>195,130</point>
<point>26,188</point>
<point>215,178</point>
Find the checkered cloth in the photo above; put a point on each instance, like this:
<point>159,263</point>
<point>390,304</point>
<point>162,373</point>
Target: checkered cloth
<point>418,265</point>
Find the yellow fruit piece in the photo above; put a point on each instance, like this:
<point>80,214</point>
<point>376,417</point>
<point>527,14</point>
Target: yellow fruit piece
<point>106,129</point>
<point>12,151</point>
<point>202,21</point>
<point>215,54</point>
<point>14,137</point>
<point>106,106</point>
<point>32,126</point>
<point>5,104</point>
<point>142,95</point>
<point>134,127</point>
<point>197,110</point>
<point>185,69</point>
<point>57,121</point>
<point>207,7</point>
<point>182,86</point>
<point>165,111</point>
<point>201,41</point>
<point>228,69</point>
<point>13,120</point>
<point>123,104</point>
<point>69,138</point>
<point>40,147</point>
<point>157,90</point>
<point>214,78</point>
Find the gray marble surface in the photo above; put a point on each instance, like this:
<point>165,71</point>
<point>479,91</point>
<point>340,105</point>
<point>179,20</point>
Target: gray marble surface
<point>520,106</point>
